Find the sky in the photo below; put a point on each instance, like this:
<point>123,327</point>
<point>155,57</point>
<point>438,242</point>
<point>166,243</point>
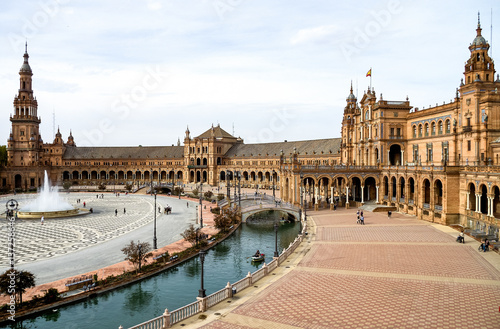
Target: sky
<point>138,72</point>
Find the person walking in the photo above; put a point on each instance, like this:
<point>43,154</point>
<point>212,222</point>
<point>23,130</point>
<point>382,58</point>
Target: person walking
<point>362,219</point>
<point>116,212</point>
<point>41,220</point>
<point>124,211</point>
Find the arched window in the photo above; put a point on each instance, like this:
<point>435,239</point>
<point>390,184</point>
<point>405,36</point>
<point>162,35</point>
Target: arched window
<point>426,129</point>
<point>414,131</point>
<point>448,126</point>
<point>433,128</point>
<point>440,127</point>
<point>420,131</point>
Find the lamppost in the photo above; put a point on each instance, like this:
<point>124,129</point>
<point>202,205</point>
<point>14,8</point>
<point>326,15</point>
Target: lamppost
<point>151,176</point>
<point>227,185</point>
<point>202,293</point>
<point>239,190</point>
<point>201,204</point>
<point>154,236</point>
<point>234,184</point>
<point>272,182</point>
<point>301,195</point>
<point>276,254</point>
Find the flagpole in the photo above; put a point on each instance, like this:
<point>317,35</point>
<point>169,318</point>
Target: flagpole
<point>371,78</point>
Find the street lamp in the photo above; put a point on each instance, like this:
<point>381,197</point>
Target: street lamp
<point>202,293</point>
<point>272,182</point>
<point>201,205</point>
<point>239,190</point>
<point>154,236</point>
<point>276,254</point>
<point>151,176</point>
<point>227,185</point>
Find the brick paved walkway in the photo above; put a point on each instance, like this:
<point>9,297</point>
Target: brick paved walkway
<point>389,273</point>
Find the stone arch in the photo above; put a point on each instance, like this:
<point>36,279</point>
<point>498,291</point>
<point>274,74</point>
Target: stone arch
<point>85,174</point>
<point>205,161</point>
<point>356,187</point>
<point>191,176</point>
<point>496,201</point>
<point>395,155</point>
<point>65,175</point>
<point>393,187</point>
<point>472,196</point>
<point>426,186</point>
<point>222,175</point>
<point>370,188</point>
<point>93,174</point>
<point>130,174</point>
<point>121,175</point>
<point>75,175</point>
<point>198,161</point>
<point>483,189</point>
<point>204,176</point>
<point>147,175</point>
<point>138,175</point>
<point>402,189</point>
<point>438,193</point>
<point>18,181</point>
<point>411,189</point>
<point>386,186</point>
<point>180,175</point>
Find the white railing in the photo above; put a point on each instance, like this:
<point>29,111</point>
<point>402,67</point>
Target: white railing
<point>216,298</point>
<point>156,323</point>
<point>169,318</point>
<point>184,312</point>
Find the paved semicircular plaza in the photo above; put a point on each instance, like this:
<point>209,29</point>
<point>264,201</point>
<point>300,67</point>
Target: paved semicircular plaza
<point>65,247</point>
<point>389,273</point>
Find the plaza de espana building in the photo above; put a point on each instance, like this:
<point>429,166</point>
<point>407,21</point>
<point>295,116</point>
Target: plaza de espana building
<point>440,163</point>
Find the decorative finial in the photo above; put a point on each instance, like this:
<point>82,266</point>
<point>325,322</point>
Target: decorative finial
<point>26,46</point>
<point>478,19</point>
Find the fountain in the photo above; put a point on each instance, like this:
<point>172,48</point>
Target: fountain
<point>49,205</point>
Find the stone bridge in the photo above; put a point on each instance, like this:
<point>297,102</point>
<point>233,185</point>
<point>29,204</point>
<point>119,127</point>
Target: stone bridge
<point>252,204</point>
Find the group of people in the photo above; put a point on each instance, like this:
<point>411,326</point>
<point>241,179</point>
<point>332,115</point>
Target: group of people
<point>485,245</point>
<point>361,218</point>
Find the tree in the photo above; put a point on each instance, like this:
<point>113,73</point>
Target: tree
<point>128,187</point>
<point>208,195</point>
<point>226,218</point>
<point>137,253</point>
<point>195,192</point>
<point>3,155</point>
<point>14,281</point>
<point>67,185</point>
<point>190,235</point>
<point>102,186</point>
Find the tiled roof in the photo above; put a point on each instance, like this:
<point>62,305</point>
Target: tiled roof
<point>218,132</point>
<point>134,152</point>
<point>326,146</point>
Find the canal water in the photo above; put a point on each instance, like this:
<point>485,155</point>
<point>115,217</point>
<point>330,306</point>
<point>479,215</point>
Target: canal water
<point>227,262</point>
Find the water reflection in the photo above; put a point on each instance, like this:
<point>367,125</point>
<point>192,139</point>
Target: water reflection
<point>137,298</point>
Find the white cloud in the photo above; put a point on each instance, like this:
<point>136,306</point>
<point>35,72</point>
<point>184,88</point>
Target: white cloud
<point>317,34</point>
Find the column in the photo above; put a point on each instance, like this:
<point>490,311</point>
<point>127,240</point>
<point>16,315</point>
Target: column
<point>388,159</point>
<point>362,194</point>
<point>402,157</point>
<point>478,204</point>
<point>347,197</point>
<point>489,206</point>
<point>468,201</point>
<point>376,197</point>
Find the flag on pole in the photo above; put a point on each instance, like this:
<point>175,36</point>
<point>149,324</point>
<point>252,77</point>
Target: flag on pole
<point>369,73</point>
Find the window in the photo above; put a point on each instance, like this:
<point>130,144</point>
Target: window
<point>420,131</point>
<point>448,127</point>
<point>426,129</point>
<point>392,131</point>
<point>469,146</point>
<point>433,128</point>
<point>414,131</point>
<point>398,132</point>
<point>440,127</point>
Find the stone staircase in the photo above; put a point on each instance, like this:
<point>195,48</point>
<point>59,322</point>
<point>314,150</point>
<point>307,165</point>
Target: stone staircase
<point>374,207</point>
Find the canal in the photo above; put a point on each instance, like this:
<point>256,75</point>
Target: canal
<point>127,306</point>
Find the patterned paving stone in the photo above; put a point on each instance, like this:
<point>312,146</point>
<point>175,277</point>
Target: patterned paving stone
<point>348,217</point>
<point>454,260</point>
<point>406,233</point>
<point>224,325</point>
<point>60,236</point>
<point>320,300</point>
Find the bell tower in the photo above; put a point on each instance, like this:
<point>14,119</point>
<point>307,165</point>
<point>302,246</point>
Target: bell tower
<point>348,124</point>
<point>24,144</point>
<point>479,67</point>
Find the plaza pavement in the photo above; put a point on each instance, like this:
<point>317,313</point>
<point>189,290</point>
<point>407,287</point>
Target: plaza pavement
<point>63,248</point>
<point>389,273</point>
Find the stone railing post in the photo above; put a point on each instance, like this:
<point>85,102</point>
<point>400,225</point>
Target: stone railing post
<point>229,290</point>
<point>166,319</point>
<point>266,270</point>
<point>120,327</point>
<point>203,303</point>
<point>250,281</point>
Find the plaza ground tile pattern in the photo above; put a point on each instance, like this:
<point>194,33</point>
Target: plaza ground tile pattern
<point>387,275</point>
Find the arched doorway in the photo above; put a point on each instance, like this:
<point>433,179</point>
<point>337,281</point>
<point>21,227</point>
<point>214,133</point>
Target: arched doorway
<point>356,189</point>
<point>18,181</point>
<point>427,193</point>
<point>438,194</point>
<point>472,197</point>
<point>484,199</point>
<point>370,189</point>
<point>395,155</point>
